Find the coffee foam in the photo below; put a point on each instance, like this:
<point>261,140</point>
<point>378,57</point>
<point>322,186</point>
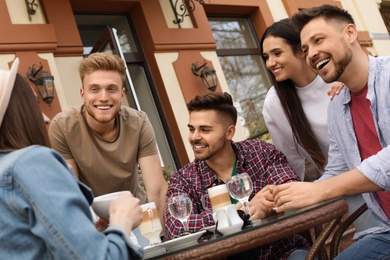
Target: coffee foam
<point>217,190</point>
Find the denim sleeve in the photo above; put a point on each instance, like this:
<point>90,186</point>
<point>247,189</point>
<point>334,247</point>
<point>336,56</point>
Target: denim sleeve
<point>58,213</point>
<point>336,162</point>
<point>338,134</point>
<point>377,168</point>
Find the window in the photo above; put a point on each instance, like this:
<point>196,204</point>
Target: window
<point>244,69</point>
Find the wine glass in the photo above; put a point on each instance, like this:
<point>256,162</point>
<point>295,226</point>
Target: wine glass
<point>180,207</point>
<point>206,204</point>
<point>240,187</point>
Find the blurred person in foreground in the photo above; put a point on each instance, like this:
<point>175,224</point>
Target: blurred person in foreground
<point>359,126</point>
<point>46,119</point>
<point>212,125</point>
<point>45,211</point>
<point>105,142</point>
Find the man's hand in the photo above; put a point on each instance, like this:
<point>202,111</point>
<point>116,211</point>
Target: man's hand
<point>239,206</point>
<point>302,194</point>
<point>296,195</point>
<point>154,181</point>
<point>262,203</point>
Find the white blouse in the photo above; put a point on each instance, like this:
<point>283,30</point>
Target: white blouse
<point>314,100</point>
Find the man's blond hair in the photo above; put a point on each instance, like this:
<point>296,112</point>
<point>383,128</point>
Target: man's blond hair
<point>102,61</point>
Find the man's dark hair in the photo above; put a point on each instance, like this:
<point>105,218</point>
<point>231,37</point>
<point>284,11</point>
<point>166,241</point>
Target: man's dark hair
<point>328,12</point>
<point>220,102</point>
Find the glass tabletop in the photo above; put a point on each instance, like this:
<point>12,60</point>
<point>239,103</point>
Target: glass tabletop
<point>213,238</point>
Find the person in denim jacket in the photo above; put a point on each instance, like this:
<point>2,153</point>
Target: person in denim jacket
<point>45,211</point>
<point>359,126</point>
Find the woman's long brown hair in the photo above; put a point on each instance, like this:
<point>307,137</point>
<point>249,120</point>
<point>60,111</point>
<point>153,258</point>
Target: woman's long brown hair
<point>23,123</point>
<point>292,107</point>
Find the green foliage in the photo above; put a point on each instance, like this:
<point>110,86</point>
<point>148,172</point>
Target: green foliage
<point>166,173</point>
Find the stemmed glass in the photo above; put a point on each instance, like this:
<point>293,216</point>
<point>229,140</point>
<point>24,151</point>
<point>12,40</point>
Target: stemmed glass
<point>206,204</point>
<point>180,207</point>
<point>240,187</point>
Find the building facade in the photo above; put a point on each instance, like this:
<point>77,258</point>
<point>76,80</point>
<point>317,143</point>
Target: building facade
<point>161,42</point>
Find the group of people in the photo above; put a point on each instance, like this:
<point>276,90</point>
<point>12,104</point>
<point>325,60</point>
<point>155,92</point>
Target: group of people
<point>46,179</point>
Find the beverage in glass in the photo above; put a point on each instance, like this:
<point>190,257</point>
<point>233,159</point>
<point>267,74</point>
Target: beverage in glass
<point>219,196</point>
<point>150,226</point>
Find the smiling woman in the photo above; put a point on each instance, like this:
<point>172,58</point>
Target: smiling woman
<point>295,107</point>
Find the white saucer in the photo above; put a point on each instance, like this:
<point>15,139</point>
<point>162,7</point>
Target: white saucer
<point>182,242</point>
<point>152,251</point>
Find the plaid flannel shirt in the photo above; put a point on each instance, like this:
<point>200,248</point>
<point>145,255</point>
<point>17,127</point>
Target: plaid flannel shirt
<point>264,164</point>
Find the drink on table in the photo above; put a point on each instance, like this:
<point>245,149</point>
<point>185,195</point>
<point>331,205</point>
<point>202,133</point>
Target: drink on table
<point>150,226</point>
<point>219,196</point>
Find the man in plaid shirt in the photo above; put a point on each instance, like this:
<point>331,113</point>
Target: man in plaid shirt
<point>211,129</point>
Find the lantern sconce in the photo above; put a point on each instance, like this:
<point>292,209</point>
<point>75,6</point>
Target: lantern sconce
<point>31,8</point>
<point>44,81</point>
<point>207,74</point>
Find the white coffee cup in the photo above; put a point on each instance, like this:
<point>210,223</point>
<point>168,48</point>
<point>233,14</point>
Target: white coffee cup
<point>150,226</point>
<point>101,204</point>
<point>219,196</point>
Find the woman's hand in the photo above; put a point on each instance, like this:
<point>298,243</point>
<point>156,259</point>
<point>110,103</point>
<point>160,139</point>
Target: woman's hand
<point>125,211</point>
<point>335,89</point>
<point>101,224</point>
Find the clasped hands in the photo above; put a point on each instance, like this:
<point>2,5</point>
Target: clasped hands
<point>279,198</point>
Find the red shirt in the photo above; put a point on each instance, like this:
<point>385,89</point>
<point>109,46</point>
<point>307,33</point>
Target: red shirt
<point>367,136</point>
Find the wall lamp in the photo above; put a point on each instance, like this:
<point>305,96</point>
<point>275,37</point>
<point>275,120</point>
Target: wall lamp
<point>44,81</point>
<point>180,8</point>
<point>31,7</point>
<point>207,74</point>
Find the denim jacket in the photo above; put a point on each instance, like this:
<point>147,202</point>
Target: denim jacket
<point>344,152</point>
<point>45,214</point>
